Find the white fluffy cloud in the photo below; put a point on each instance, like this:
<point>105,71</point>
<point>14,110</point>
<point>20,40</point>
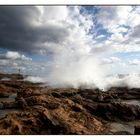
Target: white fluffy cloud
<point>15,55</point>
<point>134,62</point>
<point>111,60</point>
<point>123,24</point>
<point>12,55</point>
<point>52,13</point>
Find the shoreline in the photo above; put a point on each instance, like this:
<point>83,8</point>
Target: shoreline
<point>28,108</point>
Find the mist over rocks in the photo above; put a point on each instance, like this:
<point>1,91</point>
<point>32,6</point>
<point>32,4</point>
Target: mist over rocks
<point>56,80</point>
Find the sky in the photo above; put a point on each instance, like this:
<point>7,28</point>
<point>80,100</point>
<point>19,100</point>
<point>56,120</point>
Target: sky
<point>63,40</point>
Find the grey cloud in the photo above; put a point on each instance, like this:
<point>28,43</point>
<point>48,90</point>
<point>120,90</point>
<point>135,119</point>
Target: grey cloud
<point>133,36</point>
<point>136,32</point>
<point>18,34</point>
<point>107,14</point>
<point>51,33</point>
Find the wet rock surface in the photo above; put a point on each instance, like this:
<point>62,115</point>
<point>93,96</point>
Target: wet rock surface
<point>137,130</point>
<point>28,108</point>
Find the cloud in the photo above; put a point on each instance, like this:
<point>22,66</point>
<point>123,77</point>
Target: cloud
<point>12,61</point>
<point>111,17</point>
<point>134,62</point>
<point>47,29</point>
<point>110,60</point>
<point>136,32</point>
<point>26,29</point>
<point>4,62</point>
<point>123,28</point>
<point>52,13</point>
<point>12,55</point>
<point>100,36</point>
<point>15,55</point>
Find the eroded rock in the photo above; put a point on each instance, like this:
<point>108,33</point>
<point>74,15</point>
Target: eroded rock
<point>63,110</point>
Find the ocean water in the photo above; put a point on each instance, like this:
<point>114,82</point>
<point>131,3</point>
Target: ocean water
<point>5,79</point>
<point>3,112</point>
<point>10,98</point>
<point>123,126</point>
<point>132,102</point>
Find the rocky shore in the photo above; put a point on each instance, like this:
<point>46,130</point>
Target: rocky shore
<point>30,108</point>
